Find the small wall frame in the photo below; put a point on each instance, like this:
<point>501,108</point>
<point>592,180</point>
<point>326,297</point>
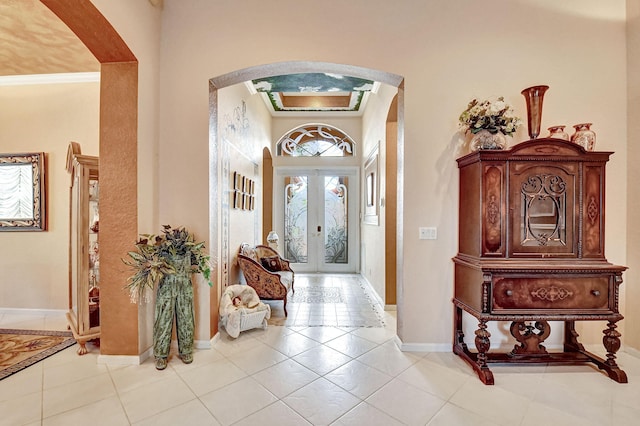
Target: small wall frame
<point>22,192</point>
<point>242,193</point>
<point>372,188</point>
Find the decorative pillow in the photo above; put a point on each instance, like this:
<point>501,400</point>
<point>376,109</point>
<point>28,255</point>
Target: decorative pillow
<point>271,263</point>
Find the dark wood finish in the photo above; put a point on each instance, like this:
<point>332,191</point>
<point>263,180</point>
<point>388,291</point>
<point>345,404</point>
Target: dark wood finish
<point>531,250</point>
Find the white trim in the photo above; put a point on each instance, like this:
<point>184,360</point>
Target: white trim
<point>60,78</point>
<point>373,293</point>
<point>125,359</point>
<point>391,308</point>
<point>202,344</point>
<point>631,351</point>
<point>422,347</point>
<point>29,311</point>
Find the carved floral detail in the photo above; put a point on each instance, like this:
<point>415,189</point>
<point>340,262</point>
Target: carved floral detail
<point>552,293</point>
<point>493,211</point>
<point>592,210</point>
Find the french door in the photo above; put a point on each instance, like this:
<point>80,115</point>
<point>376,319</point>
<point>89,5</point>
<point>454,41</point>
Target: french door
<point>318,218</point>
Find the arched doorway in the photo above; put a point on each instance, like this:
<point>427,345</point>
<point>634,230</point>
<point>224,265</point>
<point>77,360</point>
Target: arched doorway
<point>118,166</point>
<point>281,68</point>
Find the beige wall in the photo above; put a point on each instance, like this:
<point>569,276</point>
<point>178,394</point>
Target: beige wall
<point>33,118</point>
<point>244,126</point>
<point>448,52</point>
<point>632,331</point>
<point>373,244</point>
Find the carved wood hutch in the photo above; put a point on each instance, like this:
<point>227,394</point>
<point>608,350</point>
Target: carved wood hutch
<point>84,262</point>
<point>531,250</point>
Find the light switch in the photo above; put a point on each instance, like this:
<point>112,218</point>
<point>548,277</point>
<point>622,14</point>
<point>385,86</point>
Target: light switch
<point>428,233</point>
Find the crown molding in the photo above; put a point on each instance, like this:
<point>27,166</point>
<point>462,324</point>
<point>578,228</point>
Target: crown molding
<point>58,78</point>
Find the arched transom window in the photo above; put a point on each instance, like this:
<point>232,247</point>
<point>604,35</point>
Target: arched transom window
<point>315,140</point>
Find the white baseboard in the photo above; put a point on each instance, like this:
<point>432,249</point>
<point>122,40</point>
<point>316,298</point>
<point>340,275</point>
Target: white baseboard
<point>448,347</point>
<point>125,359</point>
<point>202,344</point>
<point>422,347</point>
<point>378,300</point>
<point>391,308</point>
<point>631,351</point>
<point>29,311</point>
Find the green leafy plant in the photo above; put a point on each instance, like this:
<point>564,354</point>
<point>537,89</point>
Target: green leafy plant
<point>153,259</point>
<point>496,116</point>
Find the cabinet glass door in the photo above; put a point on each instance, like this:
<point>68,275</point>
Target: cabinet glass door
<point>543,208</point>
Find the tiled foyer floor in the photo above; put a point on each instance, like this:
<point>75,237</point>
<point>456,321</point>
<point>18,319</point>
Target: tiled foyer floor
<point>308,375</point>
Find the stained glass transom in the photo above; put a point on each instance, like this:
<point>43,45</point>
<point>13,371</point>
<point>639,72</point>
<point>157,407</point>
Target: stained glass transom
<point>316,140</point>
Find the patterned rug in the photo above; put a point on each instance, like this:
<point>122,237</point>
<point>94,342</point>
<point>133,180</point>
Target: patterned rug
<point>21,348</point>
<point>318,295</point>
<point>337,300</point>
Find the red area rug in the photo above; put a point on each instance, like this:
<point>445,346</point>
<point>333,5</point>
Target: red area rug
<point>21,348</point>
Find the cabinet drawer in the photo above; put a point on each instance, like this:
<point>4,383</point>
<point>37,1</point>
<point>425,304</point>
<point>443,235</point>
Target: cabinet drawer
<point>568,293</point>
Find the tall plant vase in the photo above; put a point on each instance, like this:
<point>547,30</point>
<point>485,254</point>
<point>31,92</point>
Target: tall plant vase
<point>534,96</point>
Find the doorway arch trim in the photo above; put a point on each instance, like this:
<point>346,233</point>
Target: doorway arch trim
<point>290,67</point>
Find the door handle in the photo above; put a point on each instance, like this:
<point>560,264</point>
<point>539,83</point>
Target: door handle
<point>319,228</point>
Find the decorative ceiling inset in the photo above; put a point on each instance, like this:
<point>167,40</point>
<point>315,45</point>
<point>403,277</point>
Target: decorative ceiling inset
<point>316,92</point>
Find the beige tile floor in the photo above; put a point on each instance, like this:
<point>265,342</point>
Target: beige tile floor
<point>298,375</point>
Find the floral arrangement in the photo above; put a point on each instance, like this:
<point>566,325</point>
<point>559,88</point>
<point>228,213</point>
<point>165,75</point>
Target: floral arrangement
<point>153,257</point>
<point>494,117</point>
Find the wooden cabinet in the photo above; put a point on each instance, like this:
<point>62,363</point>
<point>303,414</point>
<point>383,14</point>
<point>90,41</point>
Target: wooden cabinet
<point>531,250</point>
<point>84,262</point>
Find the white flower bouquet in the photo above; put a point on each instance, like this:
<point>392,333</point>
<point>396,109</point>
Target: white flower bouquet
<point>496,116</point>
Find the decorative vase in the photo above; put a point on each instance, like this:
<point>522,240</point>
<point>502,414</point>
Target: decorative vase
<point>533,96</point>
<point>558,132</point>
<point>484,139</point>
<point>584,136</point>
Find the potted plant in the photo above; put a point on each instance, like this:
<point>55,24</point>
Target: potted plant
<point>165,263</point>
<point>489,122</point>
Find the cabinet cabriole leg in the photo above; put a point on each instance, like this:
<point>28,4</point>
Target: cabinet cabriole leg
<point>483,343</point>
<point>611,341</point>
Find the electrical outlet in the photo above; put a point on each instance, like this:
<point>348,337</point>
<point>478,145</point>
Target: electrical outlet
<point>428,233</point>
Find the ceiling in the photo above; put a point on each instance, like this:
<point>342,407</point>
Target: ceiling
<point>33,40</point>
<point>314,92</point>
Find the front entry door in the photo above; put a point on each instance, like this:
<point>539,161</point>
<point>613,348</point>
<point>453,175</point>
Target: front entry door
<point>319,220</point>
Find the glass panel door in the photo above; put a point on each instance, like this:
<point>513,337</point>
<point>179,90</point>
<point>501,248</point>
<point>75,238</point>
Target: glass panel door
<point>336,242</point>
<point>296,241</point>
<point>319,211</point>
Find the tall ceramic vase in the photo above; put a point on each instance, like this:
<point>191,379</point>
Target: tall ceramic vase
<point>533,96</point>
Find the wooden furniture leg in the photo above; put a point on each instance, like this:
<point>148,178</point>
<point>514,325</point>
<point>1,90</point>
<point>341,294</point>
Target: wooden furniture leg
<point>611,341</point>
<point>483,343</point>
<point>478,361</point>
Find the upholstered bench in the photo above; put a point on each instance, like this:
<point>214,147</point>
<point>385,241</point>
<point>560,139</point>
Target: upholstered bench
<point>269,274</point>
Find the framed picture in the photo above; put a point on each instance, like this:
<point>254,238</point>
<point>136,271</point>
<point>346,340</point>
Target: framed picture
<point>238,181</point>
<point>237,200</point>
<point>22,192</point>
<point>372,188</point>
